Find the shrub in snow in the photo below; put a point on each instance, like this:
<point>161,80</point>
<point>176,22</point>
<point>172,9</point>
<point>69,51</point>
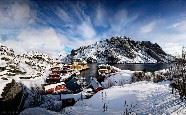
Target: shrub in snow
<point>11,90</point>
<point>128,109</point>
<point>117,79</point>
<point>141,76</point>
<point>34,97</point>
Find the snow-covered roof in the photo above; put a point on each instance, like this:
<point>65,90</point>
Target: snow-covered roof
<point>84,62</point>
<point>95,84</point>
<point>47,87</point>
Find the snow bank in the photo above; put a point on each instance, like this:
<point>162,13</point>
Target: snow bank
<point>37,111</point>
<point>140,97</point>
<point>33,82</point>
<point>115,68</point>
<point>119,78</point>
<point>162,71</point>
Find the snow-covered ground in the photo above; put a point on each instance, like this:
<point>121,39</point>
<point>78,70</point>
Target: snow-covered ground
<point>140,98</point>
<point>137,98</point>
<point>29,64</point>
<point>38,111</point>
<point>118,78</point>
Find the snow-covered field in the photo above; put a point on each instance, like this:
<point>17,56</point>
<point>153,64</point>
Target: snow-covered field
<point>119,78</point>
<point>140,98</point>
<point>137,98</point>
<point>124,97</point>
<point>38,111</point>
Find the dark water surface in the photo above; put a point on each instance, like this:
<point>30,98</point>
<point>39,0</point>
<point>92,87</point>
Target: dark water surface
<point>141,67</point>
<point>92,71</point>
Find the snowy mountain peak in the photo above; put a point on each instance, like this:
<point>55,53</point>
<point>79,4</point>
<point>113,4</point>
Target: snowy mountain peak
<point>121,50</point>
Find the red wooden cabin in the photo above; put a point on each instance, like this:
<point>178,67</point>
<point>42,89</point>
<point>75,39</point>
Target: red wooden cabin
<point>55,88</point>
<point>53,78</point>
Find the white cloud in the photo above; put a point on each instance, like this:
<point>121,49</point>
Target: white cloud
<point>148,27</point>
<point>120,16</point>
<point>16,14</point>
<point>171,43</point>
<point>174,49</point>
<point>179,26</point>
<point>100,17</point>
<point>63,15</point>
<point>86,30</point>
<point>118,21</point>
<point>44,40</point>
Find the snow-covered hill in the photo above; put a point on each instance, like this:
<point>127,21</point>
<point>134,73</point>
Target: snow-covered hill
<point>29,63</point>
<point>121,50</point>
<point>34,65</point>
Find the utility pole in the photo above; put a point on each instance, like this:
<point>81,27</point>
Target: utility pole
<point>183,52</point>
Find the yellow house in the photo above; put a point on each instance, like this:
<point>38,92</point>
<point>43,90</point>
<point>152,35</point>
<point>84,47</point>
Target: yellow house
<point>79,65</point>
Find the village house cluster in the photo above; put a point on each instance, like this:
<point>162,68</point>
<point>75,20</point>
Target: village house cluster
<point>60,76</point>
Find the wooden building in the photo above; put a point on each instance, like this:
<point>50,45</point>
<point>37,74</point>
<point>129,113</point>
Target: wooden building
<point>53,78</point>
<point>55,88</point>
<point>55,69</point>
<point>104,69</point>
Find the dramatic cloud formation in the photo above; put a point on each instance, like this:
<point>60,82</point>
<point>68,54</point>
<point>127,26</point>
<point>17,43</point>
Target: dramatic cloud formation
<point>55,26</point>
<point>15,14</point>
<point>44,40</point>
<point>86,30</point>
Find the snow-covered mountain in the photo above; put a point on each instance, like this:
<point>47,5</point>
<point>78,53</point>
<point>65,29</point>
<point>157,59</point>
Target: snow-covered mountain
<point>29,63</point>
<point>121,50</point>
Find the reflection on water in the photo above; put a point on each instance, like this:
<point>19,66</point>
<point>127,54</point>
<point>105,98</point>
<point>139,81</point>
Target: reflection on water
<point>92,71</point>
<point>143,67</point>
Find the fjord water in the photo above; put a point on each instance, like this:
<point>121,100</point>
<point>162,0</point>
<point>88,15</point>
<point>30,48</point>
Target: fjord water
<point>92,71</point>
<point>150,67</point>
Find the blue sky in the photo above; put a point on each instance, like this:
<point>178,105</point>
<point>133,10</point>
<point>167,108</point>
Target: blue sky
<point>55,26</point>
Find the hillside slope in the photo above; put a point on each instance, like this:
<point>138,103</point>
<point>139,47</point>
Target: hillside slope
<point>29,63</point>
<point>121,50</point>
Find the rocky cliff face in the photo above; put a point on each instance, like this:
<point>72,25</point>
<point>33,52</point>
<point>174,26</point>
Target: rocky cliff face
<point>121,50</point>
